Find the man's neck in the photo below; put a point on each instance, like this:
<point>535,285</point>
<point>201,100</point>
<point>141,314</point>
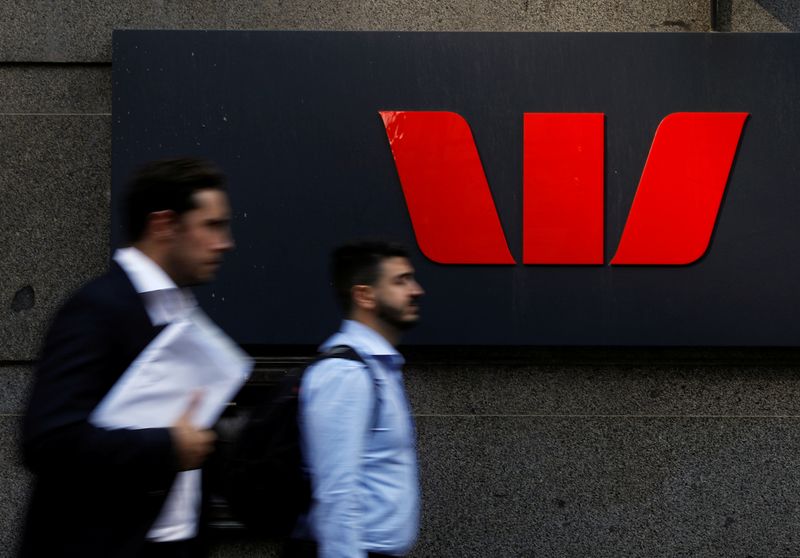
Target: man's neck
<point>387,331</point>
<point>152,251</point>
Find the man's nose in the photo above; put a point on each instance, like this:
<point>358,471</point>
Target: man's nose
<point>226,243</point>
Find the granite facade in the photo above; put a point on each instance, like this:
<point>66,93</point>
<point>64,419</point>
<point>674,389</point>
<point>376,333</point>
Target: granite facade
<point>54,219</point>
<point>527,453</point>
<point>14,484</point>
<point>609,486</point>
<point>81,30</point>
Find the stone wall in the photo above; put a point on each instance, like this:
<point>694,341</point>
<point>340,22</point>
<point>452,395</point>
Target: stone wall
<point>536,453</point>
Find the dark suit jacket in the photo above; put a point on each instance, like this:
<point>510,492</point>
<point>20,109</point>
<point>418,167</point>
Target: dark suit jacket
<point>97,492</point>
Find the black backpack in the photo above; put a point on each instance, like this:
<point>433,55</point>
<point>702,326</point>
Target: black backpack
<point>261,472</point>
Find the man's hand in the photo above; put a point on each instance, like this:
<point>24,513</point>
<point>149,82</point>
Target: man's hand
<point>192,445</point>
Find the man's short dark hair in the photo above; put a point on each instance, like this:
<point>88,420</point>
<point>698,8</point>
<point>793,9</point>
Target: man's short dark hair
<point>168,184</point>
<point>359,264</point>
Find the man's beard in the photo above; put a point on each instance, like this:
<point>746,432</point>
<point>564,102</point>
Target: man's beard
<point>394,316</point>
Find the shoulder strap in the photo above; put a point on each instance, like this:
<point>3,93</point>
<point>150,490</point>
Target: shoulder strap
<point>349,353</point>
<point>339,351</point>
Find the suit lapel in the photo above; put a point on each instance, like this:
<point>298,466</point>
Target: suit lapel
<point>136,327</point>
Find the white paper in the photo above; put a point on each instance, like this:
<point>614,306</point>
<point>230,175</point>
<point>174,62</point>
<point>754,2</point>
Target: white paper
<point>189,355</point>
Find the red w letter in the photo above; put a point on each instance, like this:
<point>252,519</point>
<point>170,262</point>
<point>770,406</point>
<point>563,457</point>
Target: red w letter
<point>678,198</point>
<point>563,182</point>
<point>670,222</point>
<point>448,197</point>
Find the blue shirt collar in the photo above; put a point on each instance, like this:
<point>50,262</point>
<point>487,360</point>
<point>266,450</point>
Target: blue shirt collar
<point>365,340</point>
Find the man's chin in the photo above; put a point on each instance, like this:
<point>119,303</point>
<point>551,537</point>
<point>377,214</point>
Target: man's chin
<point>197,281</point>
<point>407,323</point>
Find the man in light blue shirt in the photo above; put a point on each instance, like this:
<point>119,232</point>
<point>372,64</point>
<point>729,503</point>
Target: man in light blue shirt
<point>357,431</point>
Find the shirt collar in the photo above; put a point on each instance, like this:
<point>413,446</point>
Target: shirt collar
<point>145,274</point>
<point>372,342</point>
<point>367,342</point>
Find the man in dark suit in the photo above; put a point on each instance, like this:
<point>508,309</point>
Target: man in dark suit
<point>104,492</point>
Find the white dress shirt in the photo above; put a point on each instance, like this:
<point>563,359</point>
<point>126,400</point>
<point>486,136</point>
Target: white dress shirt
<point>165,302</point>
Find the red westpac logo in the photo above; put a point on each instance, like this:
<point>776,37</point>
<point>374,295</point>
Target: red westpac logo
<point>670,221</point>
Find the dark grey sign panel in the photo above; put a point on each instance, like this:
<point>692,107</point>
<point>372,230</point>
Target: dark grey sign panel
<point>293,118</point>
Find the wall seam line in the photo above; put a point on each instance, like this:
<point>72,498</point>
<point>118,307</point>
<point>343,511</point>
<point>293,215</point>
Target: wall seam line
<point>55,114</point>
<point>608,416</point>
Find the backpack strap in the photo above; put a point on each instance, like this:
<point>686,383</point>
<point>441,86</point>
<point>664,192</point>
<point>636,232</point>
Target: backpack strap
<point>349,353</point>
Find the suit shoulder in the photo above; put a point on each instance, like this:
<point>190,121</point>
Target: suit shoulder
<point>106,290</point>
<point>98,300</point>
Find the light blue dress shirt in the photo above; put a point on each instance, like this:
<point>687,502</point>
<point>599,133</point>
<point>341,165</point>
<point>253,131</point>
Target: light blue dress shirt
<point>363,466</point>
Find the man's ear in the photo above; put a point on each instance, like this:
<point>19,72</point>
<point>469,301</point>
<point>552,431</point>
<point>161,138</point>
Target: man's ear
<point>363,296</point>
<point>161,224</point>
